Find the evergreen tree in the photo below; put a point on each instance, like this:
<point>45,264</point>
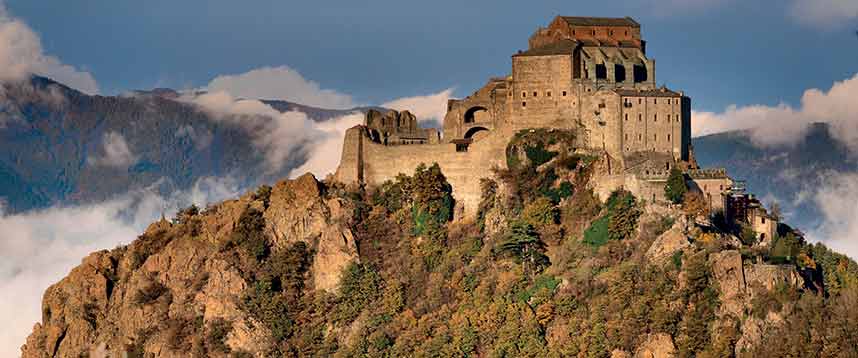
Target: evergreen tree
<point>676,187</point>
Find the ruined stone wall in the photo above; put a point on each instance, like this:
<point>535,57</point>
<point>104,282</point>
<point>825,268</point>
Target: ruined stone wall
<point>376,163</point>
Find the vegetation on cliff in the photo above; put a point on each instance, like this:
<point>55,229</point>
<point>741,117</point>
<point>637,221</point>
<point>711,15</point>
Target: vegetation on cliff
<point>534,275</point>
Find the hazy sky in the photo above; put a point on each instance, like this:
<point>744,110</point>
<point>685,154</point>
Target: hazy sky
<point>720,52</point>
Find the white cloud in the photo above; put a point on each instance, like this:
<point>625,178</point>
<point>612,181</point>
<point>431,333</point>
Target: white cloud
<point>21,55</point>
<point>201,138</point>
<point>281,136</point>
<point>280,83</point>
<point>426,108</point>
<point>825,14</point>
<point>116,152</point>
<point>323,155</point>
<point>836,201</point>
<point>783,125</point>
<point>38,248</point>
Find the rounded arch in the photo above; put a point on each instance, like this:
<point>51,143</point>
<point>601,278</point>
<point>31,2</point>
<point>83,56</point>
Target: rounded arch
<point>471,132</point>
<point>470,113</point>
<point>374,135</point>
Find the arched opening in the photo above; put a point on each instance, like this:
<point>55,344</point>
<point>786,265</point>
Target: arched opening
<point>470,114</point>
<point>474,131</point>
<point>601,71</point>
<point>374,136</point>
<point>639,73</point>
<point>619,73</point>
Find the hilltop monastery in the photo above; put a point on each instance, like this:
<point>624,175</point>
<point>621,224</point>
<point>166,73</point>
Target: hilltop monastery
<point>586,74</point>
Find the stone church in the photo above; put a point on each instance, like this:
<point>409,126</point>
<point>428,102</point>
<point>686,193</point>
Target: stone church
<point>587,74</point>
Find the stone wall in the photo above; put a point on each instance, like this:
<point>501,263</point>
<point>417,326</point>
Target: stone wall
<point>374,163</point>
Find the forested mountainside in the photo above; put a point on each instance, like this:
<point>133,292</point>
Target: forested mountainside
<point>545,269</point>
<point>55,141</point>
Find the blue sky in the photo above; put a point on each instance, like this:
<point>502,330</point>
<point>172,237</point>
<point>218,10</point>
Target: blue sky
<point>720,52</point>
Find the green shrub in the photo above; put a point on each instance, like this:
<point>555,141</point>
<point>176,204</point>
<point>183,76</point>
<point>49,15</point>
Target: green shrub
<point>433,199</point>
<point>597,234</point>
<point>523,244</point>
<point>676,186</point>
<point>216,335</point>
<point>538,155</point>
<point>248,234</point>
<point>263,193</point>
<point>540,212</point>
<point>623,215</point>
<point>265,303</point>
<point>360,284</point>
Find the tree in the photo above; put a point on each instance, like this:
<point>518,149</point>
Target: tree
<point>676,187</point>
<point>522,243</point>
<point>623,215</point>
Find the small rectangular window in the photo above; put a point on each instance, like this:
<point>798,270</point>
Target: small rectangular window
<point>564,93</point>
<point>655,101</point>
<point>640,117</point>
<point>523,94</point>
<point>668,137</point>
<point>534,93</point>
<point>627,117</point>
<point>548,94</point>
<point>640,137</point>
<point>524,104</point>
<point>655,117</point>
<point>639,101</point>
<point>655,137</point>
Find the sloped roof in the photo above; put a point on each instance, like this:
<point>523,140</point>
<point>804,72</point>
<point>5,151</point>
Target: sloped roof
<point>562,47</point>
<point>600,21</point>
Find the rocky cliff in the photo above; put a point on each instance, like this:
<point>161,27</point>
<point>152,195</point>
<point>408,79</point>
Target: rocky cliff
<point>180,286</point>
<point>545,269</point>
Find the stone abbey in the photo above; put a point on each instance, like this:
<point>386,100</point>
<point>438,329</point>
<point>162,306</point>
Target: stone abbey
<point>588,75</point>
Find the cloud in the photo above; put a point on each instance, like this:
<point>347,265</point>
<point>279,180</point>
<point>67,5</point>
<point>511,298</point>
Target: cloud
<point>38,248</point>
<point>116,152</point>
<point>426,108</point>
<point>323,155</point>
<point>201,138</point>
<point>824,14</point>
<point>280,83</point>
<point>21,55</point>
<point>835,199</point>
<point>782,125</point>
<point>282,136</point>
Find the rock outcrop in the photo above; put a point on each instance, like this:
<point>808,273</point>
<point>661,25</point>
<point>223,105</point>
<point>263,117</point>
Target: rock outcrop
<point>165,293</point>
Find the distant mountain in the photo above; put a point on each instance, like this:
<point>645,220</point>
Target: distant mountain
<point>782,173</point>
<point>50,135</point>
